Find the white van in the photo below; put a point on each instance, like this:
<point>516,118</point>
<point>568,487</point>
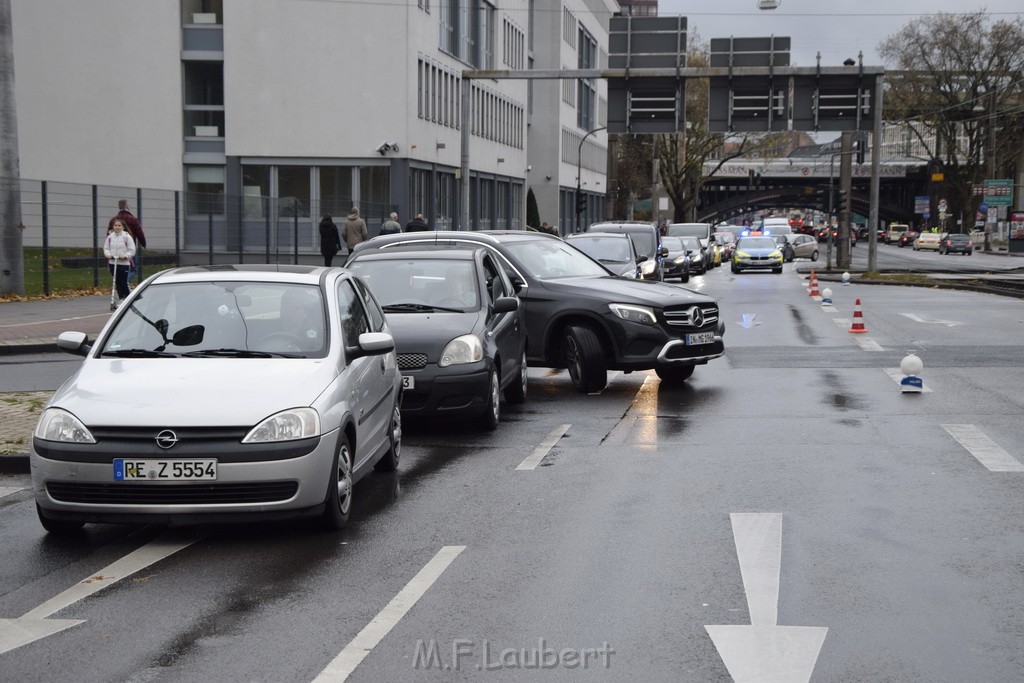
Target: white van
<point>775,226</point>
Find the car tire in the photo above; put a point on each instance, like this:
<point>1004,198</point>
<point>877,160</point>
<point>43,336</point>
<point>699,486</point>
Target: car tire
<point>491,416</point>
<point>389,461</point>
<point>675,374</point>
<point>516,391</point>
<point>968,252</point>
<point>735,269</point>
<point>684,278</point>
<point>814,255</point>
<point>777,271</point>
<point>584,357</point>
<point>57,527</point>
<point>338,505</point>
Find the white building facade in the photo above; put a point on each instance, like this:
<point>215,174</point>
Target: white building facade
<point>266,114</point>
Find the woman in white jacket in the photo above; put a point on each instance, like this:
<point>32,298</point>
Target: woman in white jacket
<point>119,248</point>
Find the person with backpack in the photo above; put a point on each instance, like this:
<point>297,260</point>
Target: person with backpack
<point>391,225</point>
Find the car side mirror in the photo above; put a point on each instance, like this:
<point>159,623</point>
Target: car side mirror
<point>375,344</point>
<point>74,342</point>
<point>664,250</point>
<point>505,304</point>
<point>188,336</point>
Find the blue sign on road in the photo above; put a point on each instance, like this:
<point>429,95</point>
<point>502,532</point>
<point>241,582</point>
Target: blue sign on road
<point>983,207</point>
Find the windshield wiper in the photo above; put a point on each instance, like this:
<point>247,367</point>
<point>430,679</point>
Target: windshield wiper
<point>610,260</point>
<point>235,353</point>
<point>139,353</point>
<point>420,307</point>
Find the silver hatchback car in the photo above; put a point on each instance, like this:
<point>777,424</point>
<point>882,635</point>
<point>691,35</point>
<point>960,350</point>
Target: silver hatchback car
<point>215,394</point>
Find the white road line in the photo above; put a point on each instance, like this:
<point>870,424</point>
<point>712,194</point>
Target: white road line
<point>542,450</point>
<point>867,343</point>
<point>135,561</point>
<point>356,651</point>
<point>897,376</point>
<point>6,491</point>
<point>842,322</point>
<point>984,449</point>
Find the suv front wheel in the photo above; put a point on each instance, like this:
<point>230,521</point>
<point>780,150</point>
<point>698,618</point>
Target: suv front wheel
<point>584,357</point>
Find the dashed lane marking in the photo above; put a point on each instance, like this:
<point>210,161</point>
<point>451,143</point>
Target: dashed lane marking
<point>987,452</point>
<point>542,450</point>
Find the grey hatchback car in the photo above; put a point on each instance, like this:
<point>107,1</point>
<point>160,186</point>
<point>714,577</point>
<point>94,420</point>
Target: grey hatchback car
<point>216,394</point>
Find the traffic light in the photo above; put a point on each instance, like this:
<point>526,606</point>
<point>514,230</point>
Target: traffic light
<point>859,146</point>
<point>842,197</point>
<point>821,198</point>
<point>581,203</point>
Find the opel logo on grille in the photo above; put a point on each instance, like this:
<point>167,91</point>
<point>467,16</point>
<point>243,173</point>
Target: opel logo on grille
<point>166,439</point>
<point>696,316</point>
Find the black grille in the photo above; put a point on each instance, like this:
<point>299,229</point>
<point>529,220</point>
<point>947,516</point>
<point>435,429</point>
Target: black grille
<point>191,434</point>
<point>413,401</point>
<point>171,494</point>
<point>412,361</point>
<point>681,316</point>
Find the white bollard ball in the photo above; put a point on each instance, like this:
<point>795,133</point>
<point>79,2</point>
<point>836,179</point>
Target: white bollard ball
<point>846,278</point>
<point>826,296</point>
<point>912,365</point>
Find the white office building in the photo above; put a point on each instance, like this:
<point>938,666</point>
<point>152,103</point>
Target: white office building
<point>266,114</point>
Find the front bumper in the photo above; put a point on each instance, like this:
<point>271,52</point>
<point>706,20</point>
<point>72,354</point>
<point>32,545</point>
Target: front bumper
<point>754,262</point>
<point>82,487</point>
<point>447,392</point>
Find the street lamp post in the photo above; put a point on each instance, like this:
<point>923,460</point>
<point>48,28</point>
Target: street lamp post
<point>579,163</point>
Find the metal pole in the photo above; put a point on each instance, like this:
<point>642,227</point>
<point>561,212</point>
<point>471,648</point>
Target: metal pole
<point>876,159</point>
<point>46,240</point>
<point>579,164</point>
<point>846,184</point>
<point>464,122</point>
<point>95,237</point>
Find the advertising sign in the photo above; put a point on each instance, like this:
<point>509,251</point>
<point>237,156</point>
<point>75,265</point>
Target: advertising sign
<point>921,204</point>
<point>999,192</point>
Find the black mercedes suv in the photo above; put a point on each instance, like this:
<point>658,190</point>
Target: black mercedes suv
<point>581,317</point>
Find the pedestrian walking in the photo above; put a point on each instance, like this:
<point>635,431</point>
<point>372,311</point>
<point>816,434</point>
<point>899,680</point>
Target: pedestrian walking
<point>330,241</point>
<point>134,229</point>
<point>119,248</point>
<point>417,224</point>
<point>354,231</point>
<point>391,225</point>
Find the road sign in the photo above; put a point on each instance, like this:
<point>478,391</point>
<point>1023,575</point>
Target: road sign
<point>999,192</point>
<point>943,206</point>
<point>921,203</point>
<point>983,207</point>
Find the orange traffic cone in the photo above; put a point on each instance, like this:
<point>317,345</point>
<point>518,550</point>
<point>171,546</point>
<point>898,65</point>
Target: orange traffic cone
<point>812,290</point>
<point>858,319</point>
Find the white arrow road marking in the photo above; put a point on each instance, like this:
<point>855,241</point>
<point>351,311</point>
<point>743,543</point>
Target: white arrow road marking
<point>897,376</point>
<point>984,449</point>
<point>842,322</point>
<point>34,624</point>
<point>947,323</point>
<point>540,451</point>
<point>355,652</point>
<point>6,491</point>
<point>764,651</point>
<point>749,321</point>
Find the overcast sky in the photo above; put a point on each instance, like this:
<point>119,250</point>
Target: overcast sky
<point>838,29</point>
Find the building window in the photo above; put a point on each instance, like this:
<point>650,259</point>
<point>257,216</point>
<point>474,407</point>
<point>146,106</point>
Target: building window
<point>569,27</point>
<point>586,100</point>
<point>202,12</point>
<point>204,190</point>
<point>467,31</point>
<point>425,5</point>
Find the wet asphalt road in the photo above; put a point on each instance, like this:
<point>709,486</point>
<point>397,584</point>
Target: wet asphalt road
<point>894,536</point>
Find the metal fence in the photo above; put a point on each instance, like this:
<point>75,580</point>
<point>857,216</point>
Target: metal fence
<point>65,224</point>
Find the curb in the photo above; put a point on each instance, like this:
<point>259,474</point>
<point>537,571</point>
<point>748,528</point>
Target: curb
<point>33,346</point>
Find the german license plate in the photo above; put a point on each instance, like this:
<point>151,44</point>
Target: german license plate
<point>127,469</point>
<point>700,338</point>
<point>408,382</point>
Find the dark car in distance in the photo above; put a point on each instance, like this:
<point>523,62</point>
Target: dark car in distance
<point>458,328</point>
<point>678,260</point>
<point>582,318</point>
<point>953,243</point>
<point>647,241</point>
<point>907,238</point>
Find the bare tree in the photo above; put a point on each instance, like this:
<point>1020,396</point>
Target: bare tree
<point>633,172</point>
<point>960,81</point>
<point>12,267</point>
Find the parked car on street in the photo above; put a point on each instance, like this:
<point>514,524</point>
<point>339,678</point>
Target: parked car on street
<point>222,393</point>
<point>698,260</point>
<point>677,261</point>
<point>647,241</point>
<point>927,240</point>
<point>953,243</point>
<point>907,238</point>
<point>797,245</point>
<point>580,317</point>
<point>757,253</point>
<point>615,252</point>
<point>459,332</point>
<point>727,241</point>
<point>702,231</point>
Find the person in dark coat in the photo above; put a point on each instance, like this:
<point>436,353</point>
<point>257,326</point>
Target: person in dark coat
<point>417,224</point>
<point>330,240</point>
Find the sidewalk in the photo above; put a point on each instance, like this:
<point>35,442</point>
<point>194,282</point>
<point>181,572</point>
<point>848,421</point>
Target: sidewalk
<point>32,327</point>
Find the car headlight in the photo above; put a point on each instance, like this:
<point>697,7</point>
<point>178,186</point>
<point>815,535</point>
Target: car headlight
<point>633,313</point>
<point>775,254</point>
<point>56,424</point>
<point>681,260</point>
<point>742,254</point>
<point>648,267</point>
<point>288,425</point>
<point>464,349</point>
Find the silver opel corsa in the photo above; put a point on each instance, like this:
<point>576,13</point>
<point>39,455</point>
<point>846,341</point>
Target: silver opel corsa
<point>221,393</point>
